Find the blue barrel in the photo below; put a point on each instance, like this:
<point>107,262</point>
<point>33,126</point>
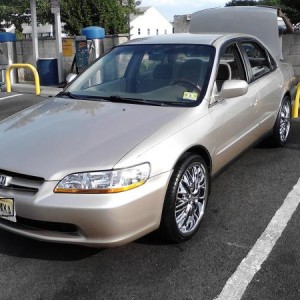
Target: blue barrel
<point>93,32</point>
<point>48,71</point>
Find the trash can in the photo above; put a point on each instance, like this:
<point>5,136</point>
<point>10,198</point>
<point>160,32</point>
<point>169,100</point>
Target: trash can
<point>48,72</point>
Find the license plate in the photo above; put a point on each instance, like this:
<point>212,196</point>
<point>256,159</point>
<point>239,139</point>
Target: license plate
<point>7,209</point>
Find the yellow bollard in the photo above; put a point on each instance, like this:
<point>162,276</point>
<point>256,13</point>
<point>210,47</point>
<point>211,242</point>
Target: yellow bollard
<point>296,103</point>
<point>28,66</point>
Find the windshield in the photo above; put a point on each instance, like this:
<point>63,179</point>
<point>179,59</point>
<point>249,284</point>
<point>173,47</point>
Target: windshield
<point>152,74</point>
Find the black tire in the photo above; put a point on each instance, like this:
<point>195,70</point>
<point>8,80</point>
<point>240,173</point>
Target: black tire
<point>282,125</point>
<point>185,200</point>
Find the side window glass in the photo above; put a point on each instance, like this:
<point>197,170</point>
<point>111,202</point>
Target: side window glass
<point>273,63</point>
<point>258,59</point>
<point>230,66</point>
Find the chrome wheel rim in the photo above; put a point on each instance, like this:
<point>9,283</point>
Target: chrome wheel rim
<point>285,121</point>
<point>191,198</point>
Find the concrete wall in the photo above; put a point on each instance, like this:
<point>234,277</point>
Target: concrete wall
<point>47,50</point>
<point>181,23</point>
<point>291,50</point>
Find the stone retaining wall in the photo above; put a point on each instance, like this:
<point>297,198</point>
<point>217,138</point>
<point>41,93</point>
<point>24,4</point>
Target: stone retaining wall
<point>47,49</point>
<point>291,50</point>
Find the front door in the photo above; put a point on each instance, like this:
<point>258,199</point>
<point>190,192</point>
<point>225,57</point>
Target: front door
<point>235,119</point>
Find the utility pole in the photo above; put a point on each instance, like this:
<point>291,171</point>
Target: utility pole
<point>55,9</point>
<point>34,35</point>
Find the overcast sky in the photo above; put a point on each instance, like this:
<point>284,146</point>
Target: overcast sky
<point>169,8</point>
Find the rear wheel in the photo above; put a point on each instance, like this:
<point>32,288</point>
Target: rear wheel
<point>282,125</point>
<point>186,199</point>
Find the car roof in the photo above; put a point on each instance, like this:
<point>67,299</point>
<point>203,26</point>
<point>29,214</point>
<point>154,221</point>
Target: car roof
<point>185,38</point>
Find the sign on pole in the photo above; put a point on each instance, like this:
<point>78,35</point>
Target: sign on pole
<point>55,8</point>
<point>67,47</point>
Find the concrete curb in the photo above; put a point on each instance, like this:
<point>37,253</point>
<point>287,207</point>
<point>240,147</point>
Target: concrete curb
<point>29,88</point>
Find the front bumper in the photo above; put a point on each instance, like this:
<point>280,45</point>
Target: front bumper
<point>101,220</point>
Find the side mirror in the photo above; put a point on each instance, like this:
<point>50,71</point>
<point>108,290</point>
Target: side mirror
<point>233,88</point>
<point>70,77</point>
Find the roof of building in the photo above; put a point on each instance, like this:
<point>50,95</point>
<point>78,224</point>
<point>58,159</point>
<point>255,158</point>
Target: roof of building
<point>142,9</point>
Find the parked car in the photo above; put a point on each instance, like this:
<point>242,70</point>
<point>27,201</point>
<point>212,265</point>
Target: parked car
<point>131,145</point>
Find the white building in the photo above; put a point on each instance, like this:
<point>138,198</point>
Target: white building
<point>43,31</point>
<point>150,22</point>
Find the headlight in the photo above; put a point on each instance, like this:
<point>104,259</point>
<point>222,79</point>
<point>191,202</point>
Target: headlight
<point>103,182</point>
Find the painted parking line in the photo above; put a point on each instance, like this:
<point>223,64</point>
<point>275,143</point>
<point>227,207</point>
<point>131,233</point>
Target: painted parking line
<point>11,96</point>
<point>251,264</point>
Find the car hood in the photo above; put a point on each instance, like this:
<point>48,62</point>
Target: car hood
<point>260,22</point>
<point>63,136</point>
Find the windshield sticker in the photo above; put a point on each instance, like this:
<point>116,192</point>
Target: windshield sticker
<point>190,96</point>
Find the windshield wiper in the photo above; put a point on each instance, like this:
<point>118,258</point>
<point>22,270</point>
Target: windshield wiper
<point>113,98</point>
<point>117,98</point>
<point>69,95</point>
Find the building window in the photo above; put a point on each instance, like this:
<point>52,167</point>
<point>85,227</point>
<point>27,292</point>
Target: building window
<point>166,31</point>
<point>139,31</point>
<point>27,36</point>
<point>156,31</point>
<point>148,31</point>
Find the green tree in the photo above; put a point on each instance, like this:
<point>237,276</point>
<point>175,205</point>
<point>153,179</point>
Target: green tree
<point>295,4</point>
<point>16,12</point>
<point>112,15</point>
<point>253,2</point>
<point>109,14</point>
<point>290,7</point>
<point>12,12</point>
<point>241,3</point>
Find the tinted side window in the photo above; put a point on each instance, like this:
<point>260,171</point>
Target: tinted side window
<point>258,59</point>
<point>272,61</point>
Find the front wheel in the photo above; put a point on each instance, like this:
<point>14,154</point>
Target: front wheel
<point>282,125</point>
<point>185,200</point>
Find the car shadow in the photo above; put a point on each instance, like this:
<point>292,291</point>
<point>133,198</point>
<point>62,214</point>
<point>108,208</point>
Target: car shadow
<point>153,238</point>
<point>19,246</point>
<point>294,137</point>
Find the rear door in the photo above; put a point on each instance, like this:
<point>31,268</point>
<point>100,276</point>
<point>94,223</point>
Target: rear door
<point>266,77</point>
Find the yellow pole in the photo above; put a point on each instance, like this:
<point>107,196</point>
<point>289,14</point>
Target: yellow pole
<point>28,66</point>
<point>7,79</point>
<point>296,103</point>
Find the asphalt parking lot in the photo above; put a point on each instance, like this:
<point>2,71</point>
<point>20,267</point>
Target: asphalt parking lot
<point>245,198</point>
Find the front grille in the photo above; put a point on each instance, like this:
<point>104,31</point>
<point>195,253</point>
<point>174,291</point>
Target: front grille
<point>21,188</point>
<point>50,226</point>
<point>23,176</point>
<point>21,183</point>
